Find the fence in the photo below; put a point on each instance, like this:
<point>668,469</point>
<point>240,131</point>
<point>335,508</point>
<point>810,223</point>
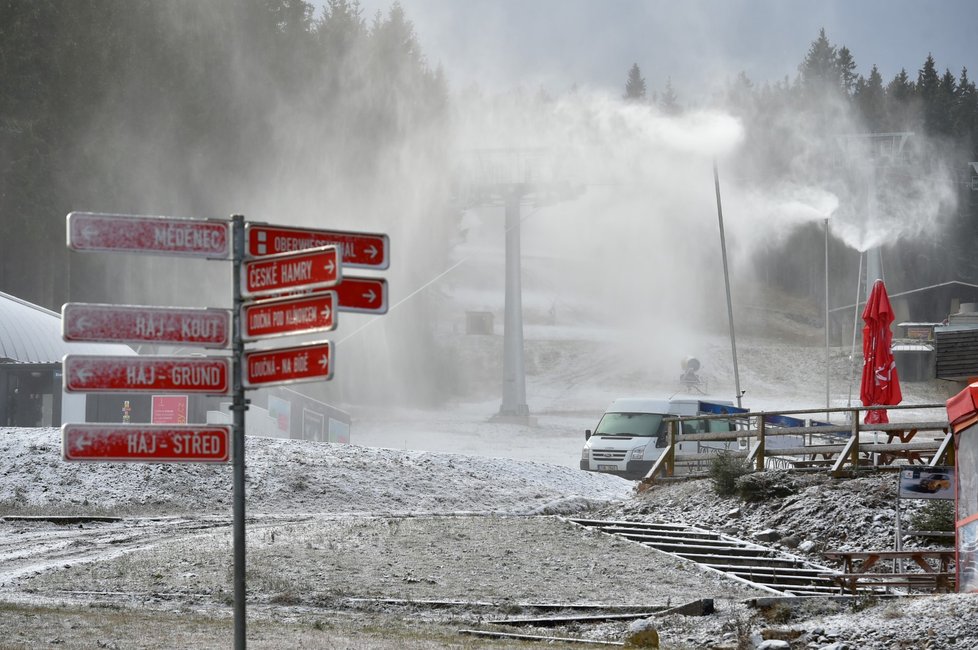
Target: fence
<point>782,440</point>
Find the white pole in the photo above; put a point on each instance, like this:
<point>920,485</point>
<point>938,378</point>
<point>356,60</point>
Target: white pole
<point>855,321</point>
<point>726,281</point>
<point>827,356</point>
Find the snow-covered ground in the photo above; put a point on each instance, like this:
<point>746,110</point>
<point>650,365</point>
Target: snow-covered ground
<point>447,503</point>
<point>432,505</point>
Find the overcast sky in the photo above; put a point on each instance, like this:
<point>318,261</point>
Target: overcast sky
<point>559,43</point>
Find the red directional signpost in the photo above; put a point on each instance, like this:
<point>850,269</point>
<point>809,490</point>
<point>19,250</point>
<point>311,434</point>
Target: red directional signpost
<point>309,362</point>
<point>315,268</point>
<point>363,295</point>
<point>268,262</point>
<point>90,231</point>
<point>153,443</point>
<point>133,324</point>
<point>358,249</point>
<point>120,374</point>
<point>279,317</point>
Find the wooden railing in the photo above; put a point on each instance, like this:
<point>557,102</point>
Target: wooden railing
<point>842,448</point>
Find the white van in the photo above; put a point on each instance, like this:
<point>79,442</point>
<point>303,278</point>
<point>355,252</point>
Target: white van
<point>631,434</point>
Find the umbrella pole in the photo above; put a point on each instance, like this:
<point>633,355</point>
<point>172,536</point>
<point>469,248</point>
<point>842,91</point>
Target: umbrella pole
<point>855,321</point>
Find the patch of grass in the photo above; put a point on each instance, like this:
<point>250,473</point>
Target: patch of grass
<point>725,469</point>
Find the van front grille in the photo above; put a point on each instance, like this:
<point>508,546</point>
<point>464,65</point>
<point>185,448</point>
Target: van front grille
<point>612,455</point>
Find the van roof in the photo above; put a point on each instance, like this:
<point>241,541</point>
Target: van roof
<point>681,406</point>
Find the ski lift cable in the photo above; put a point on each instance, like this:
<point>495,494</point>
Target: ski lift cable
<point>427,284</point>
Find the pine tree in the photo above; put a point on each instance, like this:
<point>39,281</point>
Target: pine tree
<point>901,103</point>
<point>668,100</point>
<point>635,85</point>
<point>820,69</point>
<point>928,91</point>
<point>847,69</point>
<point>965,114</point>
<point>870,98</point>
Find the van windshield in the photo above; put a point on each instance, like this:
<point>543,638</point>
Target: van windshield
<point>630,424</point>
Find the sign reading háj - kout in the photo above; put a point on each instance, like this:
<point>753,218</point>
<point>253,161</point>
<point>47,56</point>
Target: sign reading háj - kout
<point>136,324</point>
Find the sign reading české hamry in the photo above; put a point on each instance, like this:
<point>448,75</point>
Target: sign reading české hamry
<point>314,268</point>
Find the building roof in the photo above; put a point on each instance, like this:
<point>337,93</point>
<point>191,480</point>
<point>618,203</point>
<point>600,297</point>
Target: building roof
<point>32,334</point>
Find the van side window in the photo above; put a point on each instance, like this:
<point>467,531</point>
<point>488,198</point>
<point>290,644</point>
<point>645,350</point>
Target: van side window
<point>662,436</point>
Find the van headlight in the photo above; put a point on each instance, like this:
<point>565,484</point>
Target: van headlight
<point>638,453</point>
<point>585,453</point>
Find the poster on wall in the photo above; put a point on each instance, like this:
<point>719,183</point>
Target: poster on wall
<point>927,483</point>
<point>280,410</point>
<point>169,409</point>
<point>339,431</point>
<point>313,425</point>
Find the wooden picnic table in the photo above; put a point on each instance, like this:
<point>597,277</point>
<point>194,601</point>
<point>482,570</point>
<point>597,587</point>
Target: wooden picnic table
<point>857,567</point>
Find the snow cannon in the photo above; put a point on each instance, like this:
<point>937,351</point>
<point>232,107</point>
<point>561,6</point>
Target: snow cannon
<point>689,379</point>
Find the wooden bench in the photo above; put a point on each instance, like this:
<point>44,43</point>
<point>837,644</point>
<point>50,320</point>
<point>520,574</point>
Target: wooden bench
<point>857,564</point>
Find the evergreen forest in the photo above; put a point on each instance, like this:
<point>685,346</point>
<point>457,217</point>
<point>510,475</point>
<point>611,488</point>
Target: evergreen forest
<point>189,108</point>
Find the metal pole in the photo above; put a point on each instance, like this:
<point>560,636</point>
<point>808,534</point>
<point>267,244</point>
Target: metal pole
<point>514,379</point>
<point>238,407</point>
<point>726,282</point>
<point>855,327</point>
<point>828,417</point>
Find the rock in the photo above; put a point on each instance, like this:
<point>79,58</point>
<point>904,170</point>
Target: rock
<point>734,514</point>
<point>774,644</point>
<point>791,541</point>
<point>641,634</point>
<point>806,546</point>
<point>768,535</point>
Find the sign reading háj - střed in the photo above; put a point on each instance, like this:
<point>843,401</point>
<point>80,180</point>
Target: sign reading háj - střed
<point>358,249</point>
<point>92,231</point>
<point>121,374</point>
<point>203,443</point>
<point>136,324</point>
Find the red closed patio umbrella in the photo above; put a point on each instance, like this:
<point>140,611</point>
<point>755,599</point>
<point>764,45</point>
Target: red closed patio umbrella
<point>880,383</point>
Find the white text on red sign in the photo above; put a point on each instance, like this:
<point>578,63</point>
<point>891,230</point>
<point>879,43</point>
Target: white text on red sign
<point>298,315</point>
<point>309,362</point>
<point>316,268</point>
<point>118,374</point>
<point>90,231</point>
<point>135,324</point>
<point>358,249</point>
<point>147,443</point>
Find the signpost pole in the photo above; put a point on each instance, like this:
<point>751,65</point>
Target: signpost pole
<point>239,406</point>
